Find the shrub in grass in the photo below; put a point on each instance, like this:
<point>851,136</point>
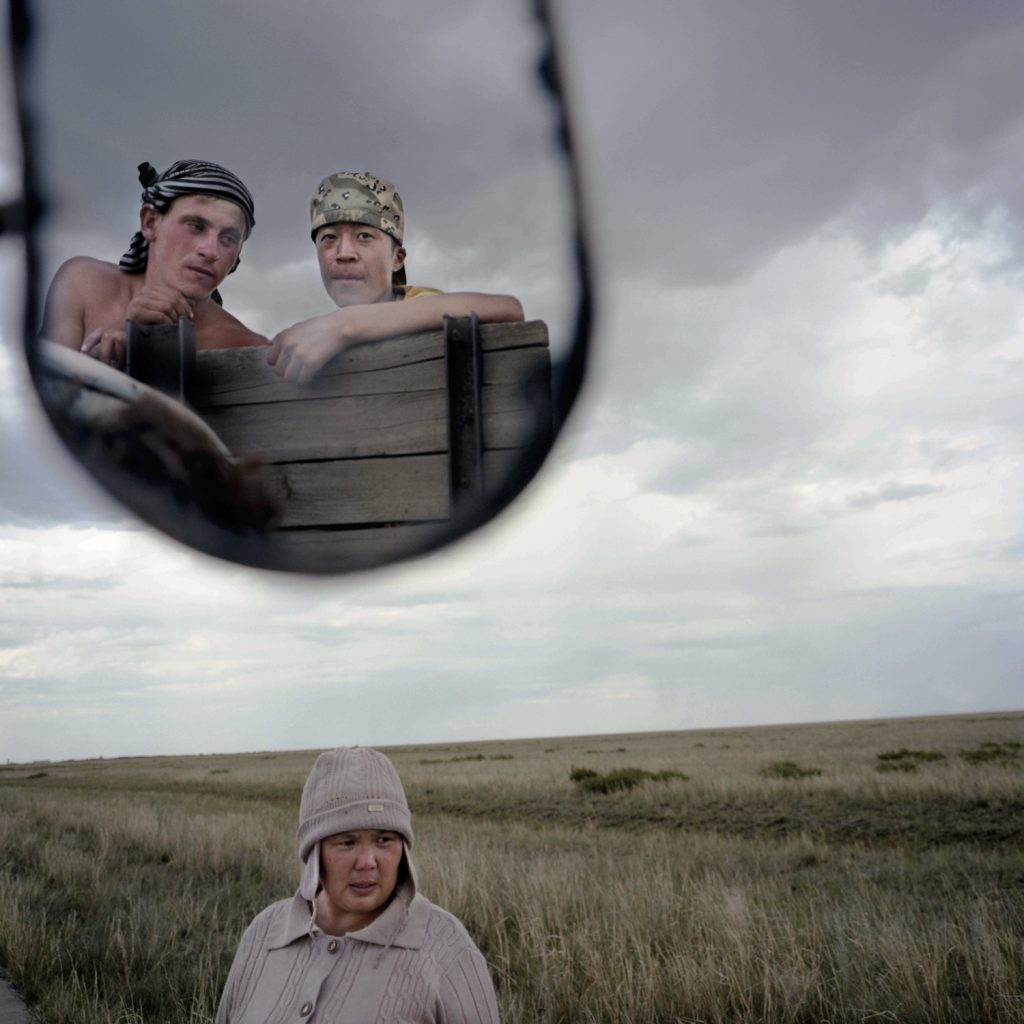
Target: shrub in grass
<point>590,781</point>
<point>788,770</point>
<point>904,760</point>
<point>991,752</point>
<point>464,757</point>
<point>621,778</point>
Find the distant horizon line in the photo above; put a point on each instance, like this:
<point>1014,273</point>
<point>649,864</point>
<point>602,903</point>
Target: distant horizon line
<point>429,745</point>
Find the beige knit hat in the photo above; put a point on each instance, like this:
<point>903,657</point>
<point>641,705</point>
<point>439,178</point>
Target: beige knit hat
<point>349,789</point>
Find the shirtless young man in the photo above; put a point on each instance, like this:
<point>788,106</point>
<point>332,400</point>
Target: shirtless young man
<point>194,218</point>
<point>358,227</point>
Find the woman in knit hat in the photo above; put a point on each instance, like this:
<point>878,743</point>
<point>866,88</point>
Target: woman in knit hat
<point>357,943</point>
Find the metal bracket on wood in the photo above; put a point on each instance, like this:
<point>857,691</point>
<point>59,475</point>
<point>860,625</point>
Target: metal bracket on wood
<point>465,421</point>
<point>163,356</point>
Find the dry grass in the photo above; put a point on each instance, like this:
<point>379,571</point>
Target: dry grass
<point>728,896</point>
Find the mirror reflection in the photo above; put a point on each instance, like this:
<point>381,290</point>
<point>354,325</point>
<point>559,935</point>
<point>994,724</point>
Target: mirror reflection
<point>303,283</point>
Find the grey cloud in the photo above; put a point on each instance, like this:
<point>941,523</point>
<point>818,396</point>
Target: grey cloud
<point>44,488</point>
<point>1014,550</point>
<point>43,582</point>
<point>63,499</point>
<point>14,634</point>
<point>740,400</point>
<point>744,129</point>
<point>901,652</point>
<point>893,491</point>
<point>723,644</point>
<point>779,526</point>
<point>46,692</point>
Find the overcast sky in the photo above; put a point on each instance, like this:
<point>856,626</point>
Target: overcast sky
<point>794,490</point>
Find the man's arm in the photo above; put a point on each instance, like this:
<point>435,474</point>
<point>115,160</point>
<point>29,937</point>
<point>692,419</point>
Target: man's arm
<point>298,352</point>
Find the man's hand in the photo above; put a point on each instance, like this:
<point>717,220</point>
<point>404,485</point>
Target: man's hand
<point>106,345</point>
<point>302,349</point>
<point>156,304</point>
<point>153,305</point>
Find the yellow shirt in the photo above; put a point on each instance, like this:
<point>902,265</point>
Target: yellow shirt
<point>413,291</point>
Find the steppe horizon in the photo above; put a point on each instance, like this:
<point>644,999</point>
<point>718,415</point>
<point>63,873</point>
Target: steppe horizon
<point>553,737</point>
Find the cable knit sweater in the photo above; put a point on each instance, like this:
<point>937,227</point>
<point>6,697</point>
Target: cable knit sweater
<point>415,964</point>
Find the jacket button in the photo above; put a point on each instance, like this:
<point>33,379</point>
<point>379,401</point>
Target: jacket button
<point>306,1010</point>
<point>332,946</point>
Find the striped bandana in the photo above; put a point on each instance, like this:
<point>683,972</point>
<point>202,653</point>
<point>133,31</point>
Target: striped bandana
<point>184,178</point>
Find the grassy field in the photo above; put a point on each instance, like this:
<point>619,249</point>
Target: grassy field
<point>866,871</point>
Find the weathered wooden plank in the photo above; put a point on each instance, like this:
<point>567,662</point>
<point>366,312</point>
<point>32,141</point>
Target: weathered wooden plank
<point>414,488</point>
<point>373,491</point>
<point>242,376</point>
<point>317,550</point>
<point>333,428</point>
<point>507,421</point>
<point>517,335</point>
<point>364,425</point>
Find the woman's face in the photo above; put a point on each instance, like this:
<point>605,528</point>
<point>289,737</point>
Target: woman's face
<point>359,872</point>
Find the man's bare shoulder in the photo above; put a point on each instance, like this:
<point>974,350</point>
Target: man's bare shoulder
<point>85,293</point>
<point>89,272</point>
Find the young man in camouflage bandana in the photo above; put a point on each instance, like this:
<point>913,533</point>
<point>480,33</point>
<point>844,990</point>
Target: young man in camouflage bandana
<point>358,228</point>
<point>194,218</point>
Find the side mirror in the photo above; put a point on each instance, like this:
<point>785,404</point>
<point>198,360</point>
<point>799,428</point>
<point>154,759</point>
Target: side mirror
<point>397,447</point>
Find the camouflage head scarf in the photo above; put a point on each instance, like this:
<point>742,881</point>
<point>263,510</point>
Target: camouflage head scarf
<point>184,178</point>
<point>357,197</point>
<point>354,197</point>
